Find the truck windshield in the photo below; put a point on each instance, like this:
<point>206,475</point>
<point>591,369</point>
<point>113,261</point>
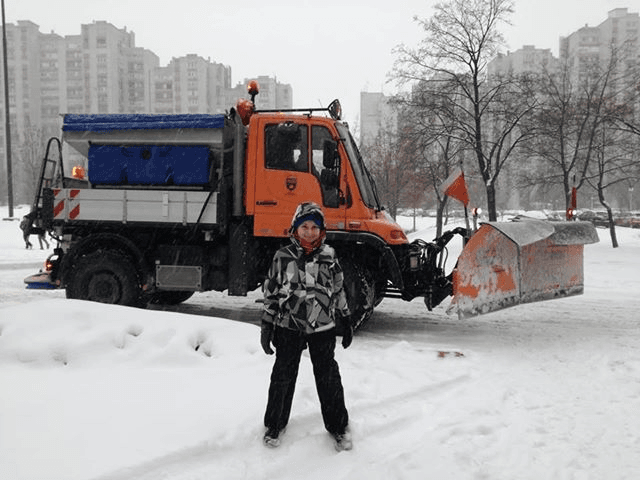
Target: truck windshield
<point>363,177</point>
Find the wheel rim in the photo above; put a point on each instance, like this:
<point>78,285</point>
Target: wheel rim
<point>104,288</point>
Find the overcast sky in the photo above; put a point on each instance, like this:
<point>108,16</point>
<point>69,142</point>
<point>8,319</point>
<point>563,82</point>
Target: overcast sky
<point>324,49</point>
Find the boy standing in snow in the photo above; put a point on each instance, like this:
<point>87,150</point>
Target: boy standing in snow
<point>302,294</point>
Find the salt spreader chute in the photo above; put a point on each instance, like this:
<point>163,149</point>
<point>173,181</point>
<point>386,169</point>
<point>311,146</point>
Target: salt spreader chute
<point>511,263</point>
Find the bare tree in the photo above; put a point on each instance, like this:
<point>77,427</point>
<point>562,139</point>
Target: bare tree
<point>567,121</point>
<point>391,160</point>
<point>613,163</point>
<point>432,127</point>
<point>460,39</point>
<point>582,128</point>
<point>616,159</point>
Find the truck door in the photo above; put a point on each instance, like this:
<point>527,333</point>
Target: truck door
<point>299,163</point>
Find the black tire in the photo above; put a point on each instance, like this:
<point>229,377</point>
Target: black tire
<point>360,290</point>
<point>170,297</point>
<point>105,277</point>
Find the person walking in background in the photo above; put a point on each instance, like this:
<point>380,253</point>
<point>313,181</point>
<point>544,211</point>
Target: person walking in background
<point>42,239</point>
<point>303,295</point>
<point>25,226</point>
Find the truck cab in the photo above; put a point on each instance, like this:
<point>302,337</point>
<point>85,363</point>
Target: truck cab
<point>295,158</point>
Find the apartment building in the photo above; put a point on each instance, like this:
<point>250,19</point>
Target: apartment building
<point>98,71</point>
<point>72,80</point>
<point>376,112</point>
<point>101,70</point>
<point>584,52</point>
<point>527,59</point>
<point>273,94</point>
<point>190,84</point>
<point>586,55</point>
<point>53,91</point>
<point>591,47</point>
<point>23,68</point>
<point>140,64</point>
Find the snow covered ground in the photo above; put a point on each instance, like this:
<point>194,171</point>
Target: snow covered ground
<point>544,391</point>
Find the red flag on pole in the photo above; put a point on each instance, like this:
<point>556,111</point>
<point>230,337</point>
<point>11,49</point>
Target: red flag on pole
<point>573,204</point>
<point>455,186</point>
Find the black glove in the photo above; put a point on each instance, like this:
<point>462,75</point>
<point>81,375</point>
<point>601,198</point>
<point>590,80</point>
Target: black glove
<point>347,332</point>
<point>266,337</point>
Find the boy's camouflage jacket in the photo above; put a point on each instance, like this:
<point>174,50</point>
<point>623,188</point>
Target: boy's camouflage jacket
<point>302,292</point>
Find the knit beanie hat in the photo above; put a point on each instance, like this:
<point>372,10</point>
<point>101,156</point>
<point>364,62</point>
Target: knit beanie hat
<point>307,211</point>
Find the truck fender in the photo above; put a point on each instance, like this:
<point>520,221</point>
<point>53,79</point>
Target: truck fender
<point>107,241</point>
<point>388,259</point>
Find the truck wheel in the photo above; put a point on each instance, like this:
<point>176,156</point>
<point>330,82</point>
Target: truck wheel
<point>105,277</point>
<point>170,297</point>
<point>359,287</point>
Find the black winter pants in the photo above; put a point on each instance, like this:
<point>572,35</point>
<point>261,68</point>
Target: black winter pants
<point>289,347</point>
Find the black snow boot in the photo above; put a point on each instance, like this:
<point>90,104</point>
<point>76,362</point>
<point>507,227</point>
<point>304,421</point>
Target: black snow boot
<point>343,440</point>
<point>272,437</point>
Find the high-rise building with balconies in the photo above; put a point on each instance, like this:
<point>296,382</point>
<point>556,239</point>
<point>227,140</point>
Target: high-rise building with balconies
<point>190,84</point>
<point>589,49</point>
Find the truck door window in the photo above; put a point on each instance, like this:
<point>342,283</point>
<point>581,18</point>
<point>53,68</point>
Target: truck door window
<point>286,147</point>
<point>326,164</point>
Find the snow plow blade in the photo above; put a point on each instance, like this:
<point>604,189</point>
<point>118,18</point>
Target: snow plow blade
<point>40,281</point>
<point>511,263</point>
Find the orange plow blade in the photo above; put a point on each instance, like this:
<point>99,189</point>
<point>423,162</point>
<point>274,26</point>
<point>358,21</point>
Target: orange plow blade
<point>511,263</point>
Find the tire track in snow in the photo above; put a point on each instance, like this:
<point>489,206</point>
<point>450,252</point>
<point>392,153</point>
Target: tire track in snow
<point>246,457</point>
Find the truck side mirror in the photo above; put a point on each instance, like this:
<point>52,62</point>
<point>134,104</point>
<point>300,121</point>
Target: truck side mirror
<point>330,154</point>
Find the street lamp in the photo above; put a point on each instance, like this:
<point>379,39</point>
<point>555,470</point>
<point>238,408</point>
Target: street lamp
<point>630,198</point>
<point>7,128</point>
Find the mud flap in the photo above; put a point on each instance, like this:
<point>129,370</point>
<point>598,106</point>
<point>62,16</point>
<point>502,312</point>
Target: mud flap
<point>524,261</point>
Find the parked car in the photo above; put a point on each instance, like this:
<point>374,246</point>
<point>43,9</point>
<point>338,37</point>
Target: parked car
<point>555,216</point>
<point>622,220</point>
<point>631,220</point>
<point>599,219</point>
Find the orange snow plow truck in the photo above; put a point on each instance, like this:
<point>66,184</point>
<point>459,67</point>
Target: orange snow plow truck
<point>163,206</point>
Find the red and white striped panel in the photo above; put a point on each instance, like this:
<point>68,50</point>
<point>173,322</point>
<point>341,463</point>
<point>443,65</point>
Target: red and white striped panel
<point>64,206</point>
